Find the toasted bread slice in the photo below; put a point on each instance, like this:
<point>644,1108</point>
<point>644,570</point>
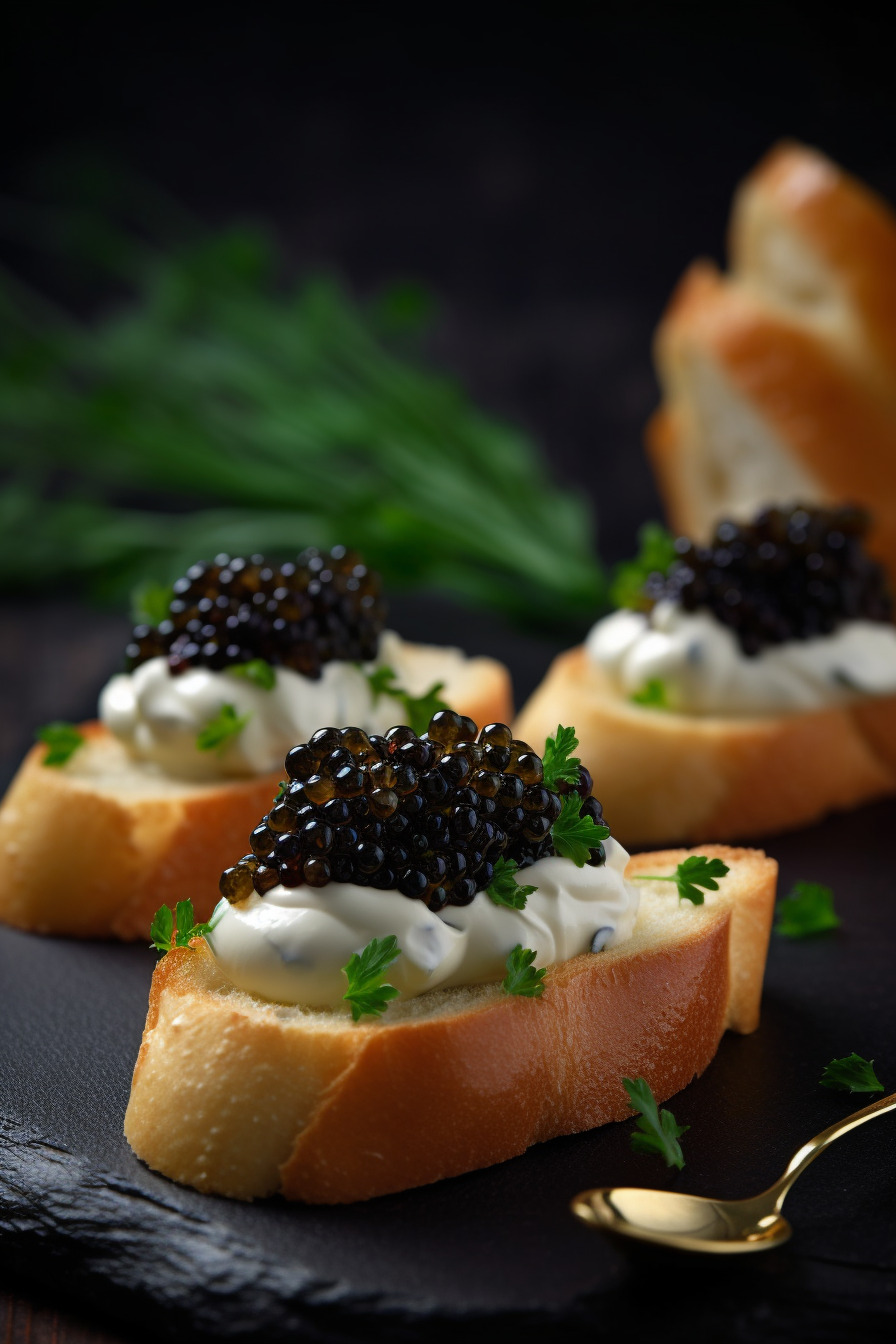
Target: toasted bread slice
<point>664,777</point>
<point>242,1097</point>
<point>93,848</point>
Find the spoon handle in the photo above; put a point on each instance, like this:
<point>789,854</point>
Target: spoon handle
<point>809,1151</point>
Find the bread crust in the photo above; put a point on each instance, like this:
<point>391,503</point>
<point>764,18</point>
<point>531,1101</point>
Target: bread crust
<point>93,848</point>
<point>671,777</point>
<point>242,1097</point>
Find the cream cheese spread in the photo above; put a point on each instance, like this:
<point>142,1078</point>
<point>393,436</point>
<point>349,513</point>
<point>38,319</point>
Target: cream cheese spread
<point>159,716</point>
<point>704,671</point>
<point>290,946</point>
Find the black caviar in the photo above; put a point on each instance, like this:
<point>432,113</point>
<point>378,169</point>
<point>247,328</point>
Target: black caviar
<point>428,816</point>
<point>791,573</point>
<point>325,605</point>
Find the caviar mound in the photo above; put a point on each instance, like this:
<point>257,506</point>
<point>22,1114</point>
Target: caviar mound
<point>429,816</point>
<point>791,573</point>
<point>326,605</point>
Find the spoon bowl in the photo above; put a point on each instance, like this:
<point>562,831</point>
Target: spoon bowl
<point>717,1226</point>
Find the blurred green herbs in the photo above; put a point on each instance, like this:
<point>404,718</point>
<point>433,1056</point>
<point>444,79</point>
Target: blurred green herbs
<point>274,415</point>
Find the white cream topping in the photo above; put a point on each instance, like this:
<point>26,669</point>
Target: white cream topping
<point>704,671</point>
<point>290,946</point>
<point>159,716</point>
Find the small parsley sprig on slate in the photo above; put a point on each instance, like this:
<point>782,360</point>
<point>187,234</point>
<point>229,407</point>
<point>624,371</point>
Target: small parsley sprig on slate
<point>651,696</point>
<point>521,977</point>
<point>162,930</point>
<point>256,670</point>
<point>504,889</point>
<point>223,728</point>
<point>367,993</point>
<point>656,555</point>
<point>807,910</point>
<point>62,740</point>
<point>575,836</point>
<point>418,709</point>
<point>656,1131</point>
<point>851,1074</point>
<point>695,872</point>
<point>559,762</point>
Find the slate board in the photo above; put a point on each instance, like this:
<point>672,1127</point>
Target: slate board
<point>495,1248</point>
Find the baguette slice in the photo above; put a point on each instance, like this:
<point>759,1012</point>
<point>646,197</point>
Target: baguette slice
<point>91,849</point>
<point>241,1097</point>
<point>664,777</point>
<point>779,378</point>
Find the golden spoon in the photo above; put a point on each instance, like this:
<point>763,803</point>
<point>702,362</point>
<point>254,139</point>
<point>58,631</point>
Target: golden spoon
<point>720,1226</point>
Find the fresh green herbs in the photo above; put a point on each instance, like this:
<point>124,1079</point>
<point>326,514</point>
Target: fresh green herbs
<point>695,872</point>
<point>559,762</point>
<point>851,1074</point>
<point>656,555</point>
<point>281,790</point>
<point>150,603</point>
<point>656,1131</point>
<point>653,695</point>
<point>62,740</point>
<point>575,836</point>
<point>417,709</point>
<point>223,728</point>
<point>256,670</point>
<point>504,889</point>
<point>808,909</point>
<point>521,977</point>
<point>162,932</point>
<point>367,993</point>
<point>291,413</point>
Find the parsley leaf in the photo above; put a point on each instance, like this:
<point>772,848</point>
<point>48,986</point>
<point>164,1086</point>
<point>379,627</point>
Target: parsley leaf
<point>521,977</point>
<point>365,970</point>
<point>281,790</point>
<point>656,1131</point>
<point>656,556</point>
<point>226,725</point>
<point>808,909</point>
<point>575,836</point>
<point>696,871</point>
<point>504,888</point>
<point>150,603</point>
<point>851,1074</point>
<point>652,696</point>
<point>162,930</point>
<point>62,741</point>
<point>256,670</point>
<point>418,709</point>
<point>559,762</point>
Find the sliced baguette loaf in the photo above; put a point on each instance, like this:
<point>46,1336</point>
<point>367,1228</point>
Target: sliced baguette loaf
<point>779,378</point>
<point>665,777</point>
<point>241,1097</point>
<point>91,849</point>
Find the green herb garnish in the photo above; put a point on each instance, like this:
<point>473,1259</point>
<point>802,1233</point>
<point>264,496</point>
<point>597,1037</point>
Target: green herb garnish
<point>504,889</point>
<point>652,696</point>
<point>366,992</point>
<point>656,556</point>
<point>851,1074</point>
<point>417,709</point>
<point>808,909</point>
<point>575,836</point>
<point>695,872</point>
<point>656,1131</point>
<point>162,931</point>
<point>220,732</point>
<point>281,790</point>
<point>150,602</point>
<point>256,670</point>
<point>521,977</point>
<point>559,762</point>
<point>62,741</point>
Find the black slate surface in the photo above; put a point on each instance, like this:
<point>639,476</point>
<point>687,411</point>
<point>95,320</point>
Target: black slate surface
<point>80,1214</point>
